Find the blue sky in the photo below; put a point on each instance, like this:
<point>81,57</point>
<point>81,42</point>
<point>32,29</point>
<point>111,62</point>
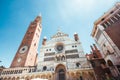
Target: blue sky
<point>70,15</point>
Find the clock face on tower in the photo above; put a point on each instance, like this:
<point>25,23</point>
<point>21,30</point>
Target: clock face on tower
<point>23,49</point>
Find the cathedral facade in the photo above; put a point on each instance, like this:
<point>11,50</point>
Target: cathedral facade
<point>61,58</point>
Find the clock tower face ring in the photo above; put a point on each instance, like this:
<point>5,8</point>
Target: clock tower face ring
<point>59,47</point>
<point>23,49</point>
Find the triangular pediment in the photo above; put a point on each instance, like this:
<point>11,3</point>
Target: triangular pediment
<point>59,34</point>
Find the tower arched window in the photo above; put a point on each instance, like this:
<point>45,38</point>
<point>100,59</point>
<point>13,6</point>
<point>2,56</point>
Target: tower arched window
<point>108,52</point>
<point>44,68</point>
<point>77,64</point>
<point>109,62</point>
<point>63,58</point>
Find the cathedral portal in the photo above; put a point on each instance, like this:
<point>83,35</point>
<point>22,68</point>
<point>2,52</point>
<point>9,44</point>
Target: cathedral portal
<point>60,72</point>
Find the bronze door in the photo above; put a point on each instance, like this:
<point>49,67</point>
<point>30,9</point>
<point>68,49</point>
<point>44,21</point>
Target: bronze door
<point>61,74</point>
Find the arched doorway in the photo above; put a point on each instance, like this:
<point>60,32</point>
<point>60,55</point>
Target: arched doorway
<point>60,72</point>
<point>109,62</point>
<point>113,68</point>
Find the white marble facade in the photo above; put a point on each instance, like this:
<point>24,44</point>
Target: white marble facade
<point>61,58</point>
<point>60,49</point>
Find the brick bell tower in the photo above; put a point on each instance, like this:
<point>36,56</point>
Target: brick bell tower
<point>27,52</point>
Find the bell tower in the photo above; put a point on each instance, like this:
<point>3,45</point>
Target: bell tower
<point>27,53</point>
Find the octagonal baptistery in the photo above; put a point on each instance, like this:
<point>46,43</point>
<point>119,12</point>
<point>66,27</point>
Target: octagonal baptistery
<point>63,58</point>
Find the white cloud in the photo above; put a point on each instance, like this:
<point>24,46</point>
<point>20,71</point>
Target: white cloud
<point>72,8</point>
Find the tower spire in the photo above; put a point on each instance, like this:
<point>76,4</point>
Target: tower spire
<point>38,19</point>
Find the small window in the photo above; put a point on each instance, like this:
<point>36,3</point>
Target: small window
<point>113,18</point>
<point>104,45</point>
<point>111,12</point>
<point>108,52</point>
<point>49,49</point>
<point>38,29</point>
<point>72,46</point>
<point>62,58</point>
<point>28,32</point>
<point>104,25</point>
<point>44,68</point>
<point>36,34</point>
<point>102,19</point>
<point>77,64</point>
<point>110,22</point>
<point>117,16</point>
<point>34,44</point>
<point>46,49</point>
<point>31,32</point>
<point>75,45</point>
